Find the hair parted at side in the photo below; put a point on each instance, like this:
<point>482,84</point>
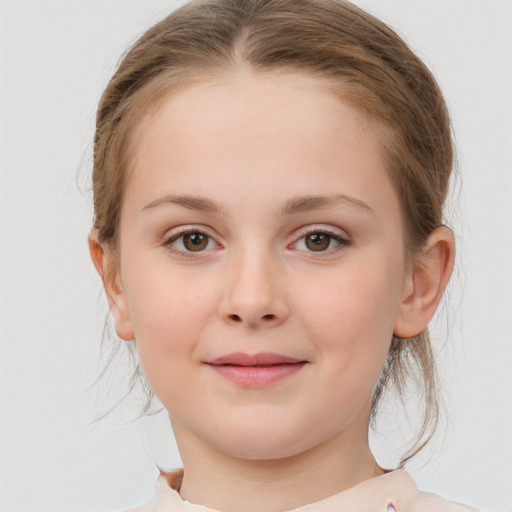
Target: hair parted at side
<point>360,57</point>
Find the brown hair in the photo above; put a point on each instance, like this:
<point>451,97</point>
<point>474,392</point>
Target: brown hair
<point>370,66</point>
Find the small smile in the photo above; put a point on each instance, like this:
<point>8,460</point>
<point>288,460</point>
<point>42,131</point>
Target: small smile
<point>256,370</point>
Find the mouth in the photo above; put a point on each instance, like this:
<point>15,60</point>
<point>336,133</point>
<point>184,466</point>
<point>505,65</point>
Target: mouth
<point>258,370</point>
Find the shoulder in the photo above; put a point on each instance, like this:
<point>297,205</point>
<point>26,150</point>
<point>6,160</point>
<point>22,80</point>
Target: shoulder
<point>166,494</point>
<point>147,507</point>
<point>427,502</point>
<point>400,490</point>
<point>167,498</point>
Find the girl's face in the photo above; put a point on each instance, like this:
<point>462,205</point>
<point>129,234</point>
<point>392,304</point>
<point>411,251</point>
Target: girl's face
<point>261,264</point>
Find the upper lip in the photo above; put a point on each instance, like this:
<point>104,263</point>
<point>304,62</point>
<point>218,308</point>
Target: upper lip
<point>261,359</point>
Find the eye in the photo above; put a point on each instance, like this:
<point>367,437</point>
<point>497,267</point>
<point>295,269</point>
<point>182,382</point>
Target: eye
<point>190,241</point>
<point>320,241</point>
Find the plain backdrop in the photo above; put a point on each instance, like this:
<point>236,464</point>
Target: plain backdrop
<point>55,59</point>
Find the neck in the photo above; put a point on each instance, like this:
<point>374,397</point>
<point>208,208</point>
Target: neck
<point>228,483</point>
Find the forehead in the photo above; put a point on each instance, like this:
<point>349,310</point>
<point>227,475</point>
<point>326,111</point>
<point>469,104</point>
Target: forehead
<point>246,127</point>
<point>253,101</point>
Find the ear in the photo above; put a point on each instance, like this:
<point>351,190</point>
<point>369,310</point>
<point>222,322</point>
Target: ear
<point>425,283</point>
<point>108,270</point>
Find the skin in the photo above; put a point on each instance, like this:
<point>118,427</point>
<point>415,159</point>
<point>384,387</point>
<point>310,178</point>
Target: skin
<point>251,144</point>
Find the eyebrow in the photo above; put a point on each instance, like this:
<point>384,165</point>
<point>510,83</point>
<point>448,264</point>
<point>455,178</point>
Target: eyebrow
<point>292,206</point>
<point>196,203</point>
<point>321,202</point>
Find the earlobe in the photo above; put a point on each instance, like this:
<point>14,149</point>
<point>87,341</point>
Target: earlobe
<point>105,266</point>
<point>425,283</point>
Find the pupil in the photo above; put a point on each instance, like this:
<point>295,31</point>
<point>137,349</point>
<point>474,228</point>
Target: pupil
<point>195,241</point>
<point>318,241</point>
<point>196,238</point>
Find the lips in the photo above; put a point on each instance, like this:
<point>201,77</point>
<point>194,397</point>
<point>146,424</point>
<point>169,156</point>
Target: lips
<point>261,359</point>
<point>255,370</point>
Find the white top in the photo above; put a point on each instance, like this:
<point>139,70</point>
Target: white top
<point>393,492</point>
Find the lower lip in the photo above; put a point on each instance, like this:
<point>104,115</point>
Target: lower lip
<point>257,376</point>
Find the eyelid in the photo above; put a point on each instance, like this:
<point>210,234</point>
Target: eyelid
<point>339,235</point>
<point>181,231</point>
<point>329,230</point>
<point>320,228</point>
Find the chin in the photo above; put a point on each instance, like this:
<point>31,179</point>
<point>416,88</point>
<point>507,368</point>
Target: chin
<point>263,451</point>
<point>264,443</point>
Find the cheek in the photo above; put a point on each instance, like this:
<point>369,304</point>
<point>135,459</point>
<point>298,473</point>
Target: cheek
<point>163,299</point>
<point>352,328</point>
<point>350,315</point>
<point>169,311</point>
<point>358,301</point>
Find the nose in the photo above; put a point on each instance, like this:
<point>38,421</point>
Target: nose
<point>254,295</point>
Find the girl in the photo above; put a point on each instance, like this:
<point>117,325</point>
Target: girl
<point>269,179</point>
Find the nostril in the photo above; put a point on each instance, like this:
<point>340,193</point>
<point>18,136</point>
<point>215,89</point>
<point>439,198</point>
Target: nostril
<point>238,319</point>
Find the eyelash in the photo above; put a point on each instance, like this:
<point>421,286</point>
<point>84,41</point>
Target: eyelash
<point>342,242</point>
<point>176,236</point>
